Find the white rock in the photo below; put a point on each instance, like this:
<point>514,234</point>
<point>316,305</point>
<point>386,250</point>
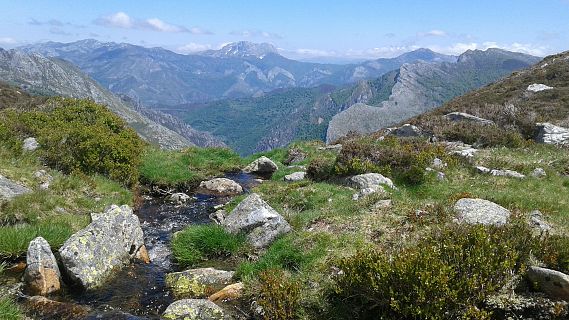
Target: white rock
<point>538,173</point>
<point>551,134</point>
<point>537,87</point>
<point>30,144</point>
<point>296,176</point>
<point>263,165</point>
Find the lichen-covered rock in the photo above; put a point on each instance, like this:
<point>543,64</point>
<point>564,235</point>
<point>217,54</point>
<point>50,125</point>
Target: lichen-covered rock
<point>221,187</point>
<point>231,292</point>
<point>193,309</point>
<point>480,211</point>
<point>461,116</point>
<point>370,180</point>
<point>198,283</point>
<point>295,176</point>
<point>30,144</point>
<point>551,134</point>
<point>553,283</point>
<point>10,189</point>
<point>110,241</point>
<point>42,275</point>
<point>258,220</point>
<point>263,165</point>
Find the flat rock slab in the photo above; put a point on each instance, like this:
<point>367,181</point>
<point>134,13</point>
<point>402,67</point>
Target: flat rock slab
<point>370,180</point>
<point>10,189</point>
<point>198,283</point>
<point>480,211</point>
<point>193,309</point>
<point>553,283</point>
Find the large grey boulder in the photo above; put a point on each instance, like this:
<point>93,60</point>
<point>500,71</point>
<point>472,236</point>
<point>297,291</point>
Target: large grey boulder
<point>30,144</point>
<point>553,283</point>
<point>42,275</point>
<point>198,283</point>
<point>10,189</point>
<point>461,116</point>
<point>109,242</point>
<point>480,211</point>
<point>551,134</point>
<point>263,165</point>
<point>254,217</point>
<point>370,180</point>
<point>193,309</point>
<point>221,187</point>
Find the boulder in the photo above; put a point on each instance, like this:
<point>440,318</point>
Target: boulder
<point>370,180</point>
<point>254,217</point>
<point>221,187</point>
<point>296,176</point>
<point>405,131</point>
<point>198,283</point>
<point>109,242</point>
<point>539,173</point>
<point>42,275</point>
<point>461,116</point>
<point>538,87</point>
<point>10,189</point>
<point>263,165</point>
<point>231,292</point>
<point>551,134</point>
<point>30,144</point>
<point>480,211</point>
<point>553,283</point>
<point>178,198</point>
<point>193,309</point>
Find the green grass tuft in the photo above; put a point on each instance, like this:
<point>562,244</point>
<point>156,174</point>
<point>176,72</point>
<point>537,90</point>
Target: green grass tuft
<point>9,310</point>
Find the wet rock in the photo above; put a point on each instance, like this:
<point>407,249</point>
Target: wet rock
<point>42,275</point>
<point>553,283</point>
<point>258,220</point>
<point>539,173</point>
<point>221,187</point>
<point>263,165</point>
<point>143,255</point>
<point>461,116</point>
<point>198,283</point>
<point>10,189</point>
<point>551,134</point>
<point>178,198</point>
<point>538,87</point>
<point>537,221</point>
<point>370,180</point>
<point>193,309</point>
<point>405,131</point>
<point>109,242</point>
<point>45,309</point>
<point>295,155</point>
<point>296,176</point>
<point>480,211</point>
<point>229,293</point>
<point>30,144</point>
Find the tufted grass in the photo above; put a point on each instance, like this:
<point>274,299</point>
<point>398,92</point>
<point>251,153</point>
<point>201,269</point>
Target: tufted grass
<point>9,310</point>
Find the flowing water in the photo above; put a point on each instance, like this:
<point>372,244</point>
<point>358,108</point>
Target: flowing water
<point>138,291</point>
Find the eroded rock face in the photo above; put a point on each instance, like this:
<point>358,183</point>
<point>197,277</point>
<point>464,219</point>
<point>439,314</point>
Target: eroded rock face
<point>553,283</point>
<point>258,220</point>
<point>110,241</point>
<point>193,309</point>
<point>480,211</point>
<point>296,176</point>
<point>10,189</point>
<point>263,165</point>
<point>42,275</point>
<point>551,134</point>
<point>461,116</point>
<point>221,187</point>
<point>198,283</point>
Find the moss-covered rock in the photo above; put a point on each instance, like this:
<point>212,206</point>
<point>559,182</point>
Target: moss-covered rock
<point>198,283</point>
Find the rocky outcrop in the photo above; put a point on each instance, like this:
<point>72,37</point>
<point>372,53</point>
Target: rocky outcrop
<point>295,155</point>
<point>355,119</point>
<point>480,211</point>
<point>263,165</point>
<point>198,283</point>
<point>462,116</point>
<point>551,134</point>
<point>221,187</point>
<point>109,242</point>
<point>254,217</point>
<point>10,189</point>
<point>553,283</point>
<point>42,275</point>
<point>30,144</point>
<point>229,293</point>
<point>295,176</point>
<point>193,309</point>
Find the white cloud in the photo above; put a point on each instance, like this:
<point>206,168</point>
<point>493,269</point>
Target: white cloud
<point>124,21</point>
<point>7,40</point>
<point>432,33</point>
<point>116,20</point>
<point>161,26</point>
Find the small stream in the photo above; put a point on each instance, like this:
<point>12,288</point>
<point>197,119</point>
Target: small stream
<point>138,290</point>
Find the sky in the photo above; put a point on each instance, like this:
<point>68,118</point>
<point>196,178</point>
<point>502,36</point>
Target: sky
<point>305,30</point>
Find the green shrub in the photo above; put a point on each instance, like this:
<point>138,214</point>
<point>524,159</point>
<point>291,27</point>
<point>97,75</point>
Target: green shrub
<point>445,276</point>
<point>199,242</point>
<point>320,169</point>
<point>555,252</point>
<point>278,295</point>
<point>9,310</point>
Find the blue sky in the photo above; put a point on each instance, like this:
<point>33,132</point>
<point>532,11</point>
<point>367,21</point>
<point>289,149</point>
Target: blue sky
<point>300,29</point>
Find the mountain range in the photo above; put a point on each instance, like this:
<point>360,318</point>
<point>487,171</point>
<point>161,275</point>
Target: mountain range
<point>158,77</point>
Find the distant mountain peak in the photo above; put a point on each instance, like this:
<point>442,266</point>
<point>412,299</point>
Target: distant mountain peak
<point>244,49</point>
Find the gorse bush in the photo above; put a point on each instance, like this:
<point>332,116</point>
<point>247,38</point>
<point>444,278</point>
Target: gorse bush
<point>199,242</point>
<point>79,136</point>
<point>446,275</point>
<point>278,295</point>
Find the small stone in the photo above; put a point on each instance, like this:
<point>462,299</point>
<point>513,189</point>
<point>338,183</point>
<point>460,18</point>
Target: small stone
<point>193,309</point>
<point>539,173</point>
<point>438,164</point>
<point>294,177</point>
<point>30,144</point>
